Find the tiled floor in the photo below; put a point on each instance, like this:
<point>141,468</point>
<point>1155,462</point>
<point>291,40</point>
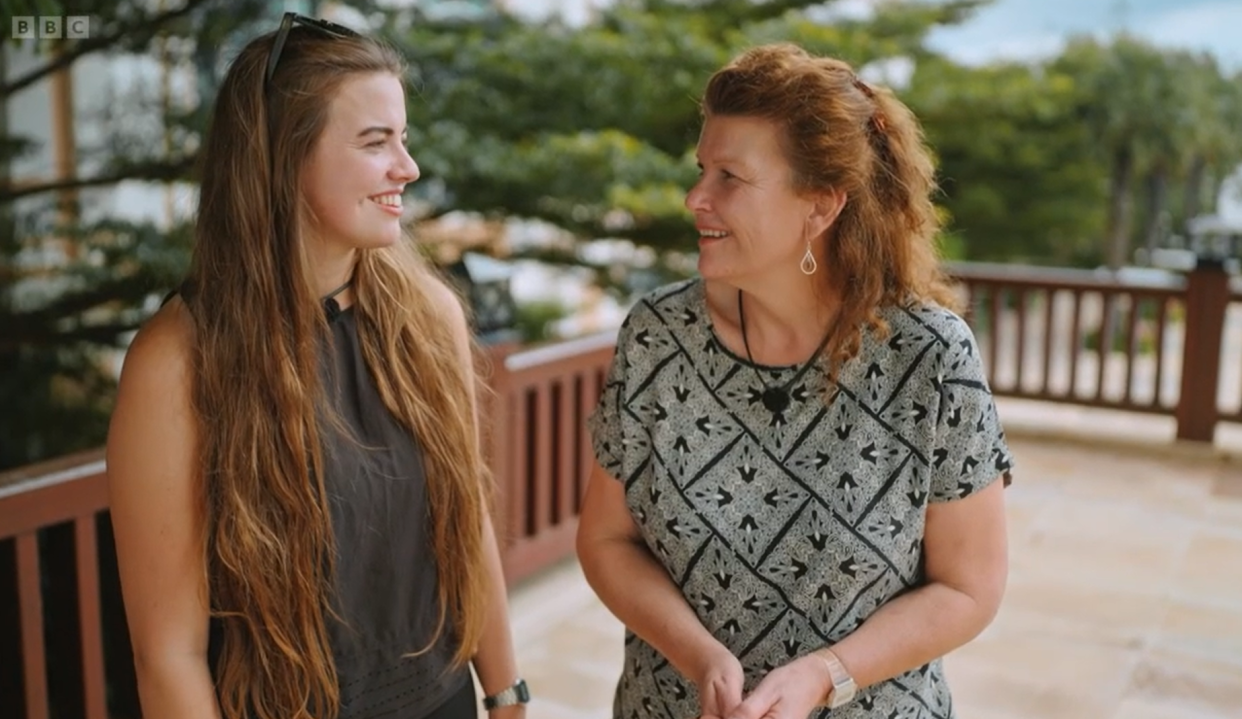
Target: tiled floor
<point>1124,599</point>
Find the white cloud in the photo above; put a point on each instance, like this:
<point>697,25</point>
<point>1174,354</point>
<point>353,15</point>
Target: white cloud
<point>1034,29</point>
<point>1020,48</point>
<point>843,10</point>
<point>1213,26</point>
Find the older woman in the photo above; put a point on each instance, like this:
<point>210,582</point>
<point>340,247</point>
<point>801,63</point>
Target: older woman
<point>796,511</point>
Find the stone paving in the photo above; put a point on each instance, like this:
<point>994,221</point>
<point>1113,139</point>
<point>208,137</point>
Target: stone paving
<point>1124,597</point>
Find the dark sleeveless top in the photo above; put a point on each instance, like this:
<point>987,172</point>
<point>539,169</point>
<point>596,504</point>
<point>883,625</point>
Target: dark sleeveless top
<point>386,581</point>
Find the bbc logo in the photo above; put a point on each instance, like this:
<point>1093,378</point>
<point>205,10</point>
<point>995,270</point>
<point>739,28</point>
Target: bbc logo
<point>51,27</point>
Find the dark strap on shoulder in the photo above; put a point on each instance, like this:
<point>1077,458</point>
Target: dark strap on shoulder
<point>185,289</point>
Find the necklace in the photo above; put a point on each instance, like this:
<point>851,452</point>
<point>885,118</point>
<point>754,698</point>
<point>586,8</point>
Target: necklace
<point>776,399</point>
<point>330,306</point>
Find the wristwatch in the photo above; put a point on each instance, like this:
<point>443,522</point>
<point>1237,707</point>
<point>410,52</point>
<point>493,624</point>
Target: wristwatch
<point>843,686</point>
<point>516,694</point>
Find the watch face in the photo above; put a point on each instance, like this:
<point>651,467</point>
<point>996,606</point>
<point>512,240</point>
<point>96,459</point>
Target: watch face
<point>523,692</point>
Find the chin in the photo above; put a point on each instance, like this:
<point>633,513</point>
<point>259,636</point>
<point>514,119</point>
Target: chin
<point>379,240</point>
<point>709,270</point>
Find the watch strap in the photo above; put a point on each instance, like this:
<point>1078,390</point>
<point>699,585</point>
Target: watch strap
<point>519,693</point>
<point>843,686</point>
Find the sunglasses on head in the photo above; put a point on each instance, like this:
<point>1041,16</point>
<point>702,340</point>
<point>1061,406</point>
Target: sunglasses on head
<point>330,29</point>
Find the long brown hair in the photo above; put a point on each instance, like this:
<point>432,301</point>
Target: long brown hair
<point>259,400</point>
<point>841,133</point>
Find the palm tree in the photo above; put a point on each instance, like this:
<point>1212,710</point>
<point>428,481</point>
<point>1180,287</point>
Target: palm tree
<point>1120,99</point>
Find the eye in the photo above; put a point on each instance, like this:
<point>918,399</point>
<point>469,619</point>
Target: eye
<point>728,175</point>
<point>377,143</point>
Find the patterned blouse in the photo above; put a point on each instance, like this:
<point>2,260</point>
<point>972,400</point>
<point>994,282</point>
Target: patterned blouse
<point>785,531</point>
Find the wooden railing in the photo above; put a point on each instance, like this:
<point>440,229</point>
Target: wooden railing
<point>1176,350</point>
<point>1041,331</point>
<point>37,505</point>
<point>539,449</point>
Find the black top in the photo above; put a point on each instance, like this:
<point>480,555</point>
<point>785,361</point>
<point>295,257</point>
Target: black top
<point>386,580</point>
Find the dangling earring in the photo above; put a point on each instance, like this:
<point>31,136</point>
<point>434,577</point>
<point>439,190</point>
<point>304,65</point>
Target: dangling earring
<point>808,264</point>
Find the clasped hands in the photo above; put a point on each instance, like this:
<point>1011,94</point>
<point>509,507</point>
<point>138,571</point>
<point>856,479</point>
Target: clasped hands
<point>791,691</point>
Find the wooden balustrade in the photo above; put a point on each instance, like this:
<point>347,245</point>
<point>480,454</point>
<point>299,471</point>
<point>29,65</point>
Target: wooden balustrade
<point>1041,334</point>
<point>36,502</point>
<point>539,449</point>
<point>1167,347</point>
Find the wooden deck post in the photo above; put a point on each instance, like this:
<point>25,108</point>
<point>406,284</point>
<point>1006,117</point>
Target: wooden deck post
<point>1207,297</point>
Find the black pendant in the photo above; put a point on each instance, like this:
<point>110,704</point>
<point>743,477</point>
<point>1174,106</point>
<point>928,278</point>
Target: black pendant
<point>776,399</point>
<point>331,308</point>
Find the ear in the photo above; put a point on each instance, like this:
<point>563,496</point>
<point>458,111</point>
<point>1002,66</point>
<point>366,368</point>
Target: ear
<point>825,210</point>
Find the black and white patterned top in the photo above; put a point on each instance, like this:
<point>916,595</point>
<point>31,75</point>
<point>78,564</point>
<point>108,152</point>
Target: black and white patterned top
<point>786,531</point>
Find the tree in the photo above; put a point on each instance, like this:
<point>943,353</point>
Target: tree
<point>510,119</point>
<point>1016,170</point>
<point>76,281</point>
<point>601,145</point>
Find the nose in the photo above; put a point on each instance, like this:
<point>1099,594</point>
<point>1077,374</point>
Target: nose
<point>406,170</point>
<point>696,198</point>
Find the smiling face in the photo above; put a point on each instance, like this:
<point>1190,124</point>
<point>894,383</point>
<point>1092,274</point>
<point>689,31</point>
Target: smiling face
<point>354,177</point>
<point>750,220</point>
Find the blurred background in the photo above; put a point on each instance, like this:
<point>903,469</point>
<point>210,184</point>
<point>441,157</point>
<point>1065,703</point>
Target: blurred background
<point>1088,153</point>
<point>557,136</point>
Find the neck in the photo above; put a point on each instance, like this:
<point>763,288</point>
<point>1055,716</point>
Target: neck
<point>787,318</point>
<point>331,270</point>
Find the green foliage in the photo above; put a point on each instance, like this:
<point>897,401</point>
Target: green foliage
<point>534,319</point>
<point>77,282</point>
<point>593,129</point>
<point>1015,167</point>
<point>590,129</point>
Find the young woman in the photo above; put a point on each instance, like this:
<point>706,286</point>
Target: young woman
<point>296,482</point>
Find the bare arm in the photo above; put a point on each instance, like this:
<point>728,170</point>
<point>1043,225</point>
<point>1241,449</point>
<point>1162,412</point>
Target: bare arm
<point>157,519</point>
<point>638,590</point>
<point>494,662</point>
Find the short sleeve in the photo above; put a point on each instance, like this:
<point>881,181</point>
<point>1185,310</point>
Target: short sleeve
<point>970,451</point>
<point>605,424</point>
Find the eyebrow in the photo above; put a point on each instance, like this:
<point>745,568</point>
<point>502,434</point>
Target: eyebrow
<point>385,131</point>
<point>723,160</point>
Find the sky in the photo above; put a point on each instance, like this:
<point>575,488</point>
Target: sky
<point>1030,29</point>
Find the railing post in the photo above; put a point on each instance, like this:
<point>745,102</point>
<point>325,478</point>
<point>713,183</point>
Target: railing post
<point>1207,297</point>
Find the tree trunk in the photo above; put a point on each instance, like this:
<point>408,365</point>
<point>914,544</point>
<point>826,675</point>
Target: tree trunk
<point>1119,204</point>
<point>1194,192</point>
<point>8,226</point>
<point>1155,219</point>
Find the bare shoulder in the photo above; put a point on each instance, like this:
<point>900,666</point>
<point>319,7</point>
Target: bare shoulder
<point>450,307</point>
<point>160,352</point>
<point>152,412</point>
<point>448,303</point>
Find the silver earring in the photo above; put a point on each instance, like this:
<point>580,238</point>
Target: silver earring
<point>808,264</point>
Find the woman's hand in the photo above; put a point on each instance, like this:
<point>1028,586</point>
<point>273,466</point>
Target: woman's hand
<point>789,692</point>
<point>719,681</point>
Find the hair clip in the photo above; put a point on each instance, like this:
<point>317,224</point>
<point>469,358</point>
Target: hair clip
<point>864,88</point>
